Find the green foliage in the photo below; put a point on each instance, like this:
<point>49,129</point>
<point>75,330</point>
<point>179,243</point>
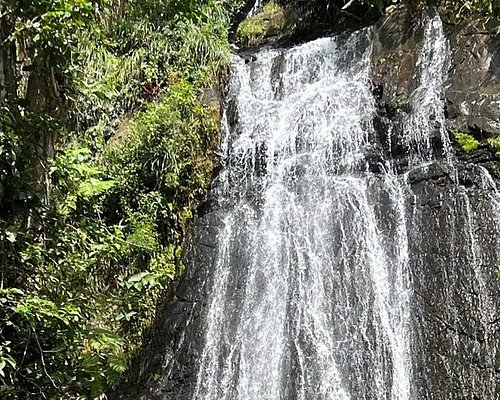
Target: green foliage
<point>495,145</point>
<point>78,180</point>
<point>464,9</point>
<point>466,142</point>
<point>50,29</point>
<point>59,354</point>
<point>459,11</point>
<point>86,253</point>
<point>93,284</point>
<point>270,18</point>
<point>132,60</point>
<point>163,165</point>
<point>52,24</point>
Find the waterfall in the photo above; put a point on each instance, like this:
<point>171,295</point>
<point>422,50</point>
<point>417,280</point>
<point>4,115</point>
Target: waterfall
<point>255,9</point>
<point>307,293</point>
<point>427,108</point>
<point>317,290</point>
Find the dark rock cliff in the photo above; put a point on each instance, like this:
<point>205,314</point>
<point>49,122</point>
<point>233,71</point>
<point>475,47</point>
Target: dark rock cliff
<point>456,292</point>
<point>473,89</point>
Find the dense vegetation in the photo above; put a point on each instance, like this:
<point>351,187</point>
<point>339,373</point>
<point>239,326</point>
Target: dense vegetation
<point>105,150</point>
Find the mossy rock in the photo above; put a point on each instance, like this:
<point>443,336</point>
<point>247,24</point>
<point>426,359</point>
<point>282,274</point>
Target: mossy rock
<point>465,141</point>
<point>255,31</point>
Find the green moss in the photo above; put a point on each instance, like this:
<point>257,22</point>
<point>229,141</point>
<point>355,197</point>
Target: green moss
<point>466,142</point>
<point>253,31</point>
<point>494,143</point>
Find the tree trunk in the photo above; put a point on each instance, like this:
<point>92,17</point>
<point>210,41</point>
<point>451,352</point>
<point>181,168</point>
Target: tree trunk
<point>8,78</point>
<point>43,97</point>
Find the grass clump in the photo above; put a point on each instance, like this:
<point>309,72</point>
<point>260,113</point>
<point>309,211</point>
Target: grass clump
<point>466,142</point>
<point>254,30</point>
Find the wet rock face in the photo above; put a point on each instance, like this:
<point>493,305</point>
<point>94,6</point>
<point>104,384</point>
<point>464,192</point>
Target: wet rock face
<point>474,92</point>
<point>454,278</point>
<point>186,308</point>
<point>454,241</point>
<point>473,88</point>
<point>395,48</point>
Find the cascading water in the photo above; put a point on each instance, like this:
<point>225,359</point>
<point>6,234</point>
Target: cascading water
<point>325,269</point>
<point>308,300</point>
<point>256,7</point>
<point>426,105</point>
